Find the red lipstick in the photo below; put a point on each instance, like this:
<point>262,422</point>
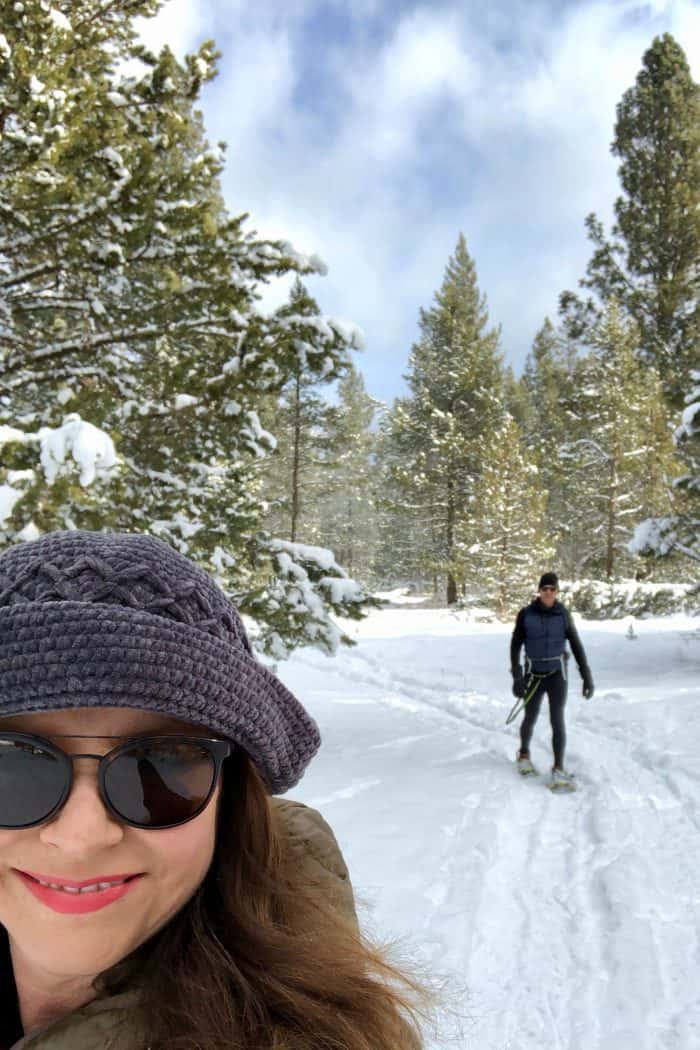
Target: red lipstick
<point>78,897</point>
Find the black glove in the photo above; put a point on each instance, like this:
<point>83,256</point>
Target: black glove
<point>588,688</point>
<point>519,685</point>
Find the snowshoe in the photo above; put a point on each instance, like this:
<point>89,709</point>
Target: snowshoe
<point>525,766</point>
<point>562,781</point>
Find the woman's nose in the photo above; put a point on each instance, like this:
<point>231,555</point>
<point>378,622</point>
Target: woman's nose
<point>83,825</point>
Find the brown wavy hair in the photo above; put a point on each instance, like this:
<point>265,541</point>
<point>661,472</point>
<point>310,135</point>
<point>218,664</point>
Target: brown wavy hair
<point>258,959</point>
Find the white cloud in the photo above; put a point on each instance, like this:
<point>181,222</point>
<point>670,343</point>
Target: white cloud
<point>422,61</point>
<point>181,24</point>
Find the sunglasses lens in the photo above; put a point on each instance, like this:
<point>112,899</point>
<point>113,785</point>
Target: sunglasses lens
<point>158,783</point>
<point>32,783</point>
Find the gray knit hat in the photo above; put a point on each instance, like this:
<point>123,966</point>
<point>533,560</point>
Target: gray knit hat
<point>94,619</point>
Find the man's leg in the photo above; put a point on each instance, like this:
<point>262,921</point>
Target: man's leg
<point>528,723</point>
<point>556,691</point>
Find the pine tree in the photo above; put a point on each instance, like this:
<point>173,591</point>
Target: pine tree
<point>129,300</point>
<point>549,377</point>
<point>517,400</point>
<point>346,511</point>
<point>652,263</point>
<point>297,473</point>
<point>107,220</point>
<point>502,543</point>
<point>293,480</point>
<point>456,400</point>
<point>687,523</point>
<point>405,530</point>
<point>624,464</point>
<point>548,367</point>
<point>679,532</point>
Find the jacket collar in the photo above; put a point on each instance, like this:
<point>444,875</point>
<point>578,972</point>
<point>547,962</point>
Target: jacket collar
<point>539,607</point>
<point>65,1032</point>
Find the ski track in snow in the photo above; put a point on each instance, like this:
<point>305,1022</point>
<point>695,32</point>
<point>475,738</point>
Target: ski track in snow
<point>567,921</point>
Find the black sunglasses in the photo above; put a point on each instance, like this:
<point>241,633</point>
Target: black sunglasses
<point>147,782</point>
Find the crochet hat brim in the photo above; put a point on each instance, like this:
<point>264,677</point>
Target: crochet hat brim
<point>57,655</point>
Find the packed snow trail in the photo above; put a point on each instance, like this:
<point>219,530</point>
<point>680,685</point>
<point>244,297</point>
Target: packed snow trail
<point>567,922</point>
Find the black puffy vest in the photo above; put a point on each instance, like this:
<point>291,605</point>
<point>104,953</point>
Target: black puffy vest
<point>545,635</point>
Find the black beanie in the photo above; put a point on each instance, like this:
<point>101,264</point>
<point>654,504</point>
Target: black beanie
<point>548,579</point>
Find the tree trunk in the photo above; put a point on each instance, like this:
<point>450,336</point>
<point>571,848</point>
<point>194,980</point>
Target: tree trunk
<point>612,508</point>
<point>503,591</point>
<point>296,454</point>
<point>349,557</point>
<point>451,582</point>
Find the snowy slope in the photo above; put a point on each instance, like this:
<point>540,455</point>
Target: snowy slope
<point>569,922</point>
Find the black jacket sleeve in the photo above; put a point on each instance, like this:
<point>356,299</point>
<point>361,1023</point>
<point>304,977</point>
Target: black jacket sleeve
<point>516,642</point>
<point>576,645</point>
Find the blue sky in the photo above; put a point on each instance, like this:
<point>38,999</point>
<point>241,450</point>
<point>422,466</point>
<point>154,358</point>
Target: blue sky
<point>372,133</point>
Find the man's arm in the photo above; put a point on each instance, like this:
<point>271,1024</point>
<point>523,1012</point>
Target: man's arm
<point>516,642</point>
<point>575,642</point>
<point>579,655</point>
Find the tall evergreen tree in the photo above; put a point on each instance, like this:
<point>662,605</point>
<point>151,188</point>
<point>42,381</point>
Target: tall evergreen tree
<point>550,378</point>
<point>502,543</point>
<point>651,264</point>
<point>624,464</point>
<point>548,367</point>
<point>129,299</point>
<point>518,400</point>
<point>679,532</point>
<point>456,400</point>
<point>405,529</point>
<point>297,473</point>
<point>347,510</point>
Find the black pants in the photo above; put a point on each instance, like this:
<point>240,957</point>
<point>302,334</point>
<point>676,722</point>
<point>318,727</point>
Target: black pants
<point>555,688</point>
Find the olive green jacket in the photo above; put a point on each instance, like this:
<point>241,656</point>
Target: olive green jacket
<point>106,1024</point>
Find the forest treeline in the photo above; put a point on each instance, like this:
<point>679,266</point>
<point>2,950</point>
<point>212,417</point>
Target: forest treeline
<point>143,389</point>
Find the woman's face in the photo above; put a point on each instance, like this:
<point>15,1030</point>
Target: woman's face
<point>84,842</point>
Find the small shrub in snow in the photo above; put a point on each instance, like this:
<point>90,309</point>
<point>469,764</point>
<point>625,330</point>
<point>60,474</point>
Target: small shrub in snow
<point>600,600</point>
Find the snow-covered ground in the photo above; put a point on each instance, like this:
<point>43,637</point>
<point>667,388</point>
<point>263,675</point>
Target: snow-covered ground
<point>568,922</point>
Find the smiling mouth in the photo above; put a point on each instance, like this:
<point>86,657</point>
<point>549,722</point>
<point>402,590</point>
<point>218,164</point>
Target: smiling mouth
<point>75,888</point>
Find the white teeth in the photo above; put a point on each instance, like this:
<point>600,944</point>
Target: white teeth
<point>83,889</point>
